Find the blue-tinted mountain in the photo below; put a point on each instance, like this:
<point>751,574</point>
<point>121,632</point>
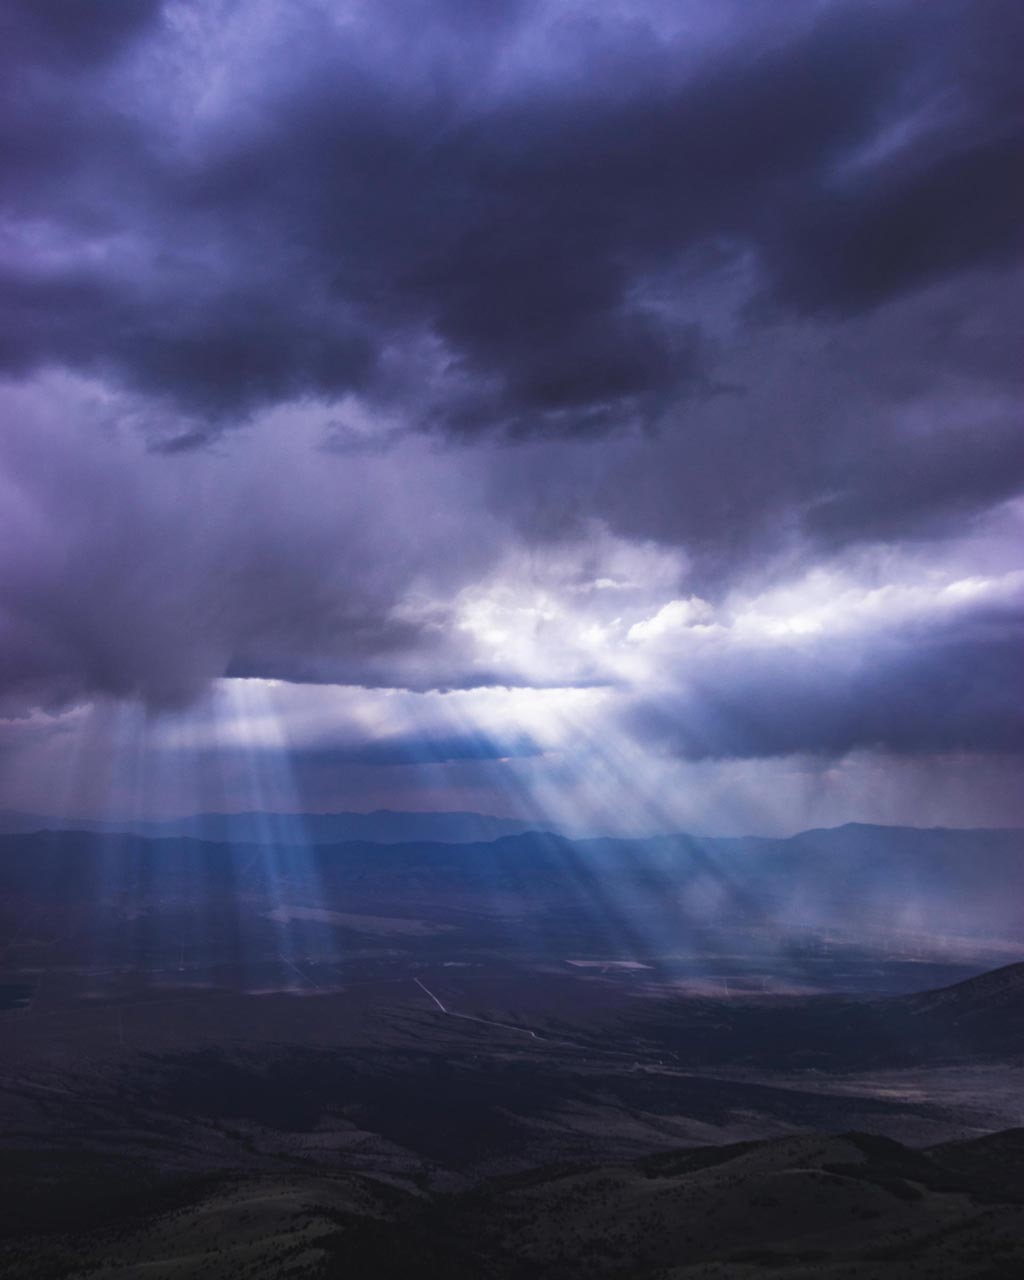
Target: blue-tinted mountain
<point>382,826</point>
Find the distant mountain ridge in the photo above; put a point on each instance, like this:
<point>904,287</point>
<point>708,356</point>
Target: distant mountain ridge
<point>380,826</point>
<point>856,881</point>
<point>399,826</point>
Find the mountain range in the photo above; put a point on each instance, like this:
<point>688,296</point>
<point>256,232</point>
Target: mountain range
<point>859,881</point>
<point>381,826</point>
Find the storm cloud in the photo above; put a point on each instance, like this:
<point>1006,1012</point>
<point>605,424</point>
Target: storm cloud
<point>432,348</point>
<point>343,194</point>
<point>950,685</point>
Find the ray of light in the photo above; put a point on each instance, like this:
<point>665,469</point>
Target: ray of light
<point>289,864</point>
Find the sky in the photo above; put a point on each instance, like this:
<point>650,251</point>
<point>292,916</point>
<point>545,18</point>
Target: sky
<point>607,413</point>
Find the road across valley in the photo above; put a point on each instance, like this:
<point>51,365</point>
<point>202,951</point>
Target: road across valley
<point>487,1022</point>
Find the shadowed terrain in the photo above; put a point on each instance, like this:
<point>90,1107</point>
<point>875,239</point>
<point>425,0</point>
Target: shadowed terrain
<point>844,1205</point>
<point>530,1057</point>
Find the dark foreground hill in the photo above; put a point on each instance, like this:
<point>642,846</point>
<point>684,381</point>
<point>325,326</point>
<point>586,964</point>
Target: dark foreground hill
<point>979,1019</point>
<point>265,1136</point>
<point>842,1206</point>
<point>386,1132</point>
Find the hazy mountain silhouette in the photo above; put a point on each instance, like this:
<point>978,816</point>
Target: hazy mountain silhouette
<point>860,881</point>
<point>381,826</point>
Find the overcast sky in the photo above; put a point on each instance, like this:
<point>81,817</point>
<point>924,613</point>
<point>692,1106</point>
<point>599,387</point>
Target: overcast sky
<point>607,412</point>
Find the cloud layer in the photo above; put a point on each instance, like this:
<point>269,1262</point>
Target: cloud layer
<point>495,223</point>
<point>459,348</point>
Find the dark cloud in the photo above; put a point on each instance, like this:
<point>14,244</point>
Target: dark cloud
<point>365,196</point>
<point>825,434</point>
<point>910,690</point>
<point>125,574</point>
<point>927,480</point>
<point>520,304</point>
<point>910,224</point>
<point>69,37</point>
